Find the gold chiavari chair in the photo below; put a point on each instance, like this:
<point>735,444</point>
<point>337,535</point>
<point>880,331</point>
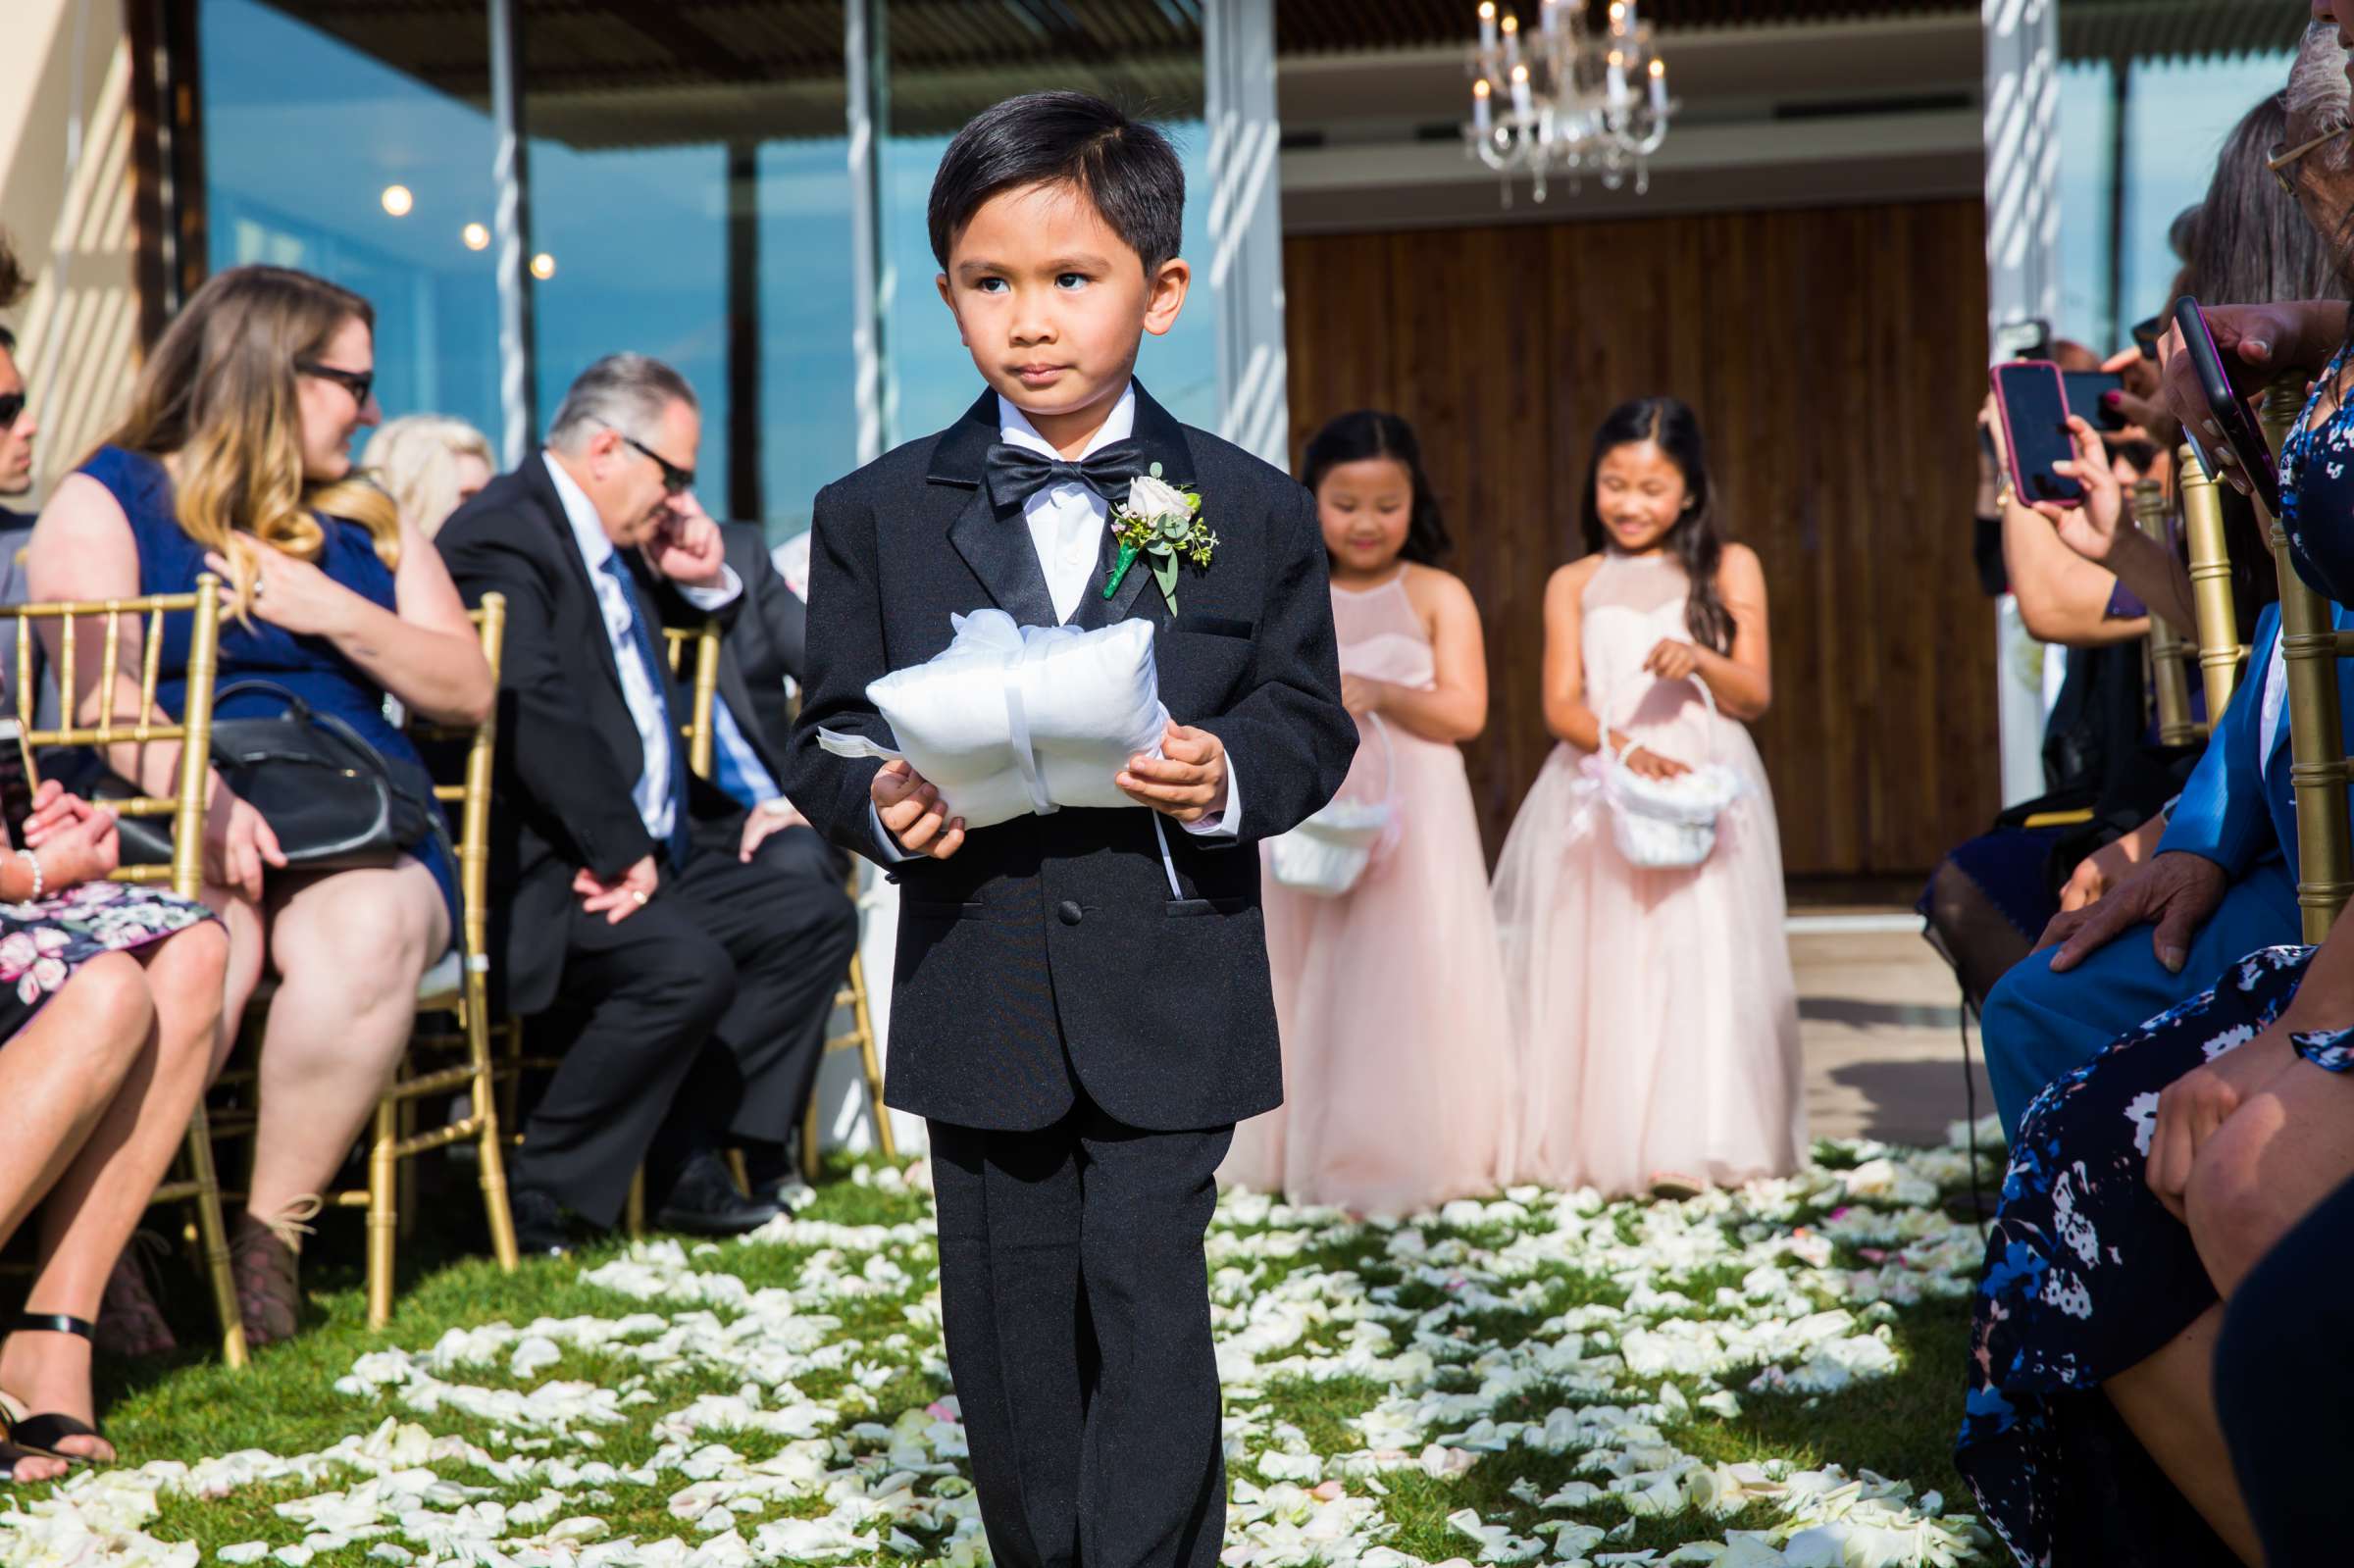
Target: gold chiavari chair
<point>462,990</point>
<point>2169,655</point>
<point>201,1188</point>
<point>2221,652</point>
<point>2310,647</point>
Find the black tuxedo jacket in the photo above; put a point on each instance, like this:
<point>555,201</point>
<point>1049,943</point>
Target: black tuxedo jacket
<point>767,641</point>
<point>1056,934</point>
<point>568,749</point>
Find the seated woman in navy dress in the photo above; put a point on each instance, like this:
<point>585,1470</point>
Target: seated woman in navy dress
<point>233,460</point>
<point>2146,1184</point>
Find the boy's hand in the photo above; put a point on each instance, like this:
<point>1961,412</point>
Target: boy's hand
<point>1187,782</point>
<point>911,811</point>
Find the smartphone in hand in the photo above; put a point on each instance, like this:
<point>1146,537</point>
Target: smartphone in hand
<point>2229,411</point>
<point>2032,401</point>
<point>2087,393</point>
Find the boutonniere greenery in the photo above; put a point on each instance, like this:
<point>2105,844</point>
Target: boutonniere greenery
<point>1163,520</point>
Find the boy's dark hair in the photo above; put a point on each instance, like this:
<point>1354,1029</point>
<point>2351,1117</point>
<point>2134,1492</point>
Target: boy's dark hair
<point>1128,170</point>
<point>1369,434</point>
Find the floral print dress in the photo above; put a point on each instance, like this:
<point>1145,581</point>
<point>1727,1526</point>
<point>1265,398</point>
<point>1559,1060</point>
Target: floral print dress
<point>42,943</point>
<point>2086,1273</point>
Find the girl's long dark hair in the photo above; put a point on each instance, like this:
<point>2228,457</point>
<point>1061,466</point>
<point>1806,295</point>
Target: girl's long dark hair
<point>1371,433</point>
<point>1693,539</point>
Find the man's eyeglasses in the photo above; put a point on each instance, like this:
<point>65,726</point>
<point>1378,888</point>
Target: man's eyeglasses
<point>359,383</point>
<point>676,481</point>
<point>2283,160</point>
<point>12,409</point>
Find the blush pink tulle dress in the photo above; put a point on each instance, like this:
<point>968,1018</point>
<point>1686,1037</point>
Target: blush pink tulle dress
<point>1654,1012</point>
<point>1396,1072</point>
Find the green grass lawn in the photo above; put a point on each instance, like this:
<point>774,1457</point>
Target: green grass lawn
<point>1754,1378</point>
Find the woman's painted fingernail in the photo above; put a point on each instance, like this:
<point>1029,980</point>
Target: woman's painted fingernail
<point>2112,399</point>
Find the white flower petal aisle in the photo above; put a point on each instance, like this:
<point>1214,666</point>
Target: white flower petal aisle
<point>1543,1377</point>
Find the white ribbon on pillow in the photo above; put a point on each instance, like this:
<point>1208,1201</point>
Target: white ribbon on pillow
<point>1008,721</point>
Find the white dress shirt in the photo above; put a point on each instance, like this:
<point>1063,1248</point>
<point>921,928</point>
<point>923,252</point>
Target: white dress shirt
<point>1066,523</point>
<point>655,807</point>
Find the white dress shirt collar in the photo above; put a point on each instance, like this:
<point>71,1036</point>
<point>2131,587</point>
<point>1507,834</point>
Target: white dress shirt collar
<point>1016,430</point>
<point>588,528</point>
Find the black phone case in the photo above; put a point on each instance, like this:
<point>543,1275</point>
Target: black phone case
<point>2232,415</point>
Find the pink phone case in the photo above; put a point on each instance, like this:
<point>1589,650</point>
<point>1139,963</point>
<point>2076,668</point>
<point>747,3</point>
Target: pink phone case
<point>2002,409</point>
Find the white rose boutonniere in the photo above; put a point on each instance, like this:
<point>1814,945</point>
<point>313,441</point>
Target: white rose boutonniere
<point>1163,521</point>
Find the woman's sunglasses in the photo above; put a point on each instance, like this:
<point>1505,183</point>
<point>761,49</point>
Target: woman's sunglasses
<point>359,383</point>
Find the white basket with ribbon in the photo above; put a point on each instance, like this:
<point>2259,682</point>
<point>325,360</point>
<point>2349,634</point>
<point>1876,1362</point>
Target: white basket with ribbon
<point>1328,853</point>
<point>1665,824</point>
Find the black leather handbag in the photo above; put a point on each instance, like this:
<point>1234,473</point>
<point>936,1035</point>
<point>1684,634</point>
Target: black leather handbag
<point>326,794</point>
<point>330,798</point>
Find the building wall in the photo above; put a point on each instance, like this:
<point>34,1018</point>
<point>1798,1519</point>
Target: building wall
<point>1832,355</point>
<point>65,201</point>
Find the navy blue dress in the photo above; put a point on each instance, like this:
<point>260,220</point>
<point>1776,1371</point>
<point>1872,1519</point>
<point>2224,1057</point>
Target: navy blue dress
<point>312,668</point>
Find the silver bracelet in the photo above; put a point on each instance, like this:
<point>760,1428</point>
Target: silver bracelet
<point>40,883</point>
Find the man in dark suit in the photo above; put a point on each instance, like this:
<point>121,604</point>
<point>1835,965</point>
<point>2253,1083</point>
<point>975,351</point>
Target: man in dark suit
<point>1082,1007</point>
<point>683,979</point>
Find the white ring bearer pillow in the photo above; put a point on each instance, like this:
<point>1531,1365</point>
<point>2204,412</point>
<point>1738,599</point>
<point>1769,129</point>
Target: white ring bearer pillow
<point>1011,719</point>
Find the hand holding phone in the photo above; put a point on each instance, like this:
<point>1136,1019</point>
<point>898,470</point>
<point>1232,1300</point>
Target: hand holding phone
<point>2091,527</point>
<point>2033,410</point>
<point>2225,435</point>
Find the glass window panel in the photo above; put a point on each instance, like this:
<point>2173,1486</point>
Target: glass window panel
<point>2087,142</point>
<point>304,135</point>
<point>2176,116</point>
<point>948,61</point>
<point>691,191</point>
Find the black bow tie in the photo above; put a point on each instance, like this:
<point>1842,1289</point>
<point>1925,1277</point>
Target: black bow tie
<point>1017,473</point>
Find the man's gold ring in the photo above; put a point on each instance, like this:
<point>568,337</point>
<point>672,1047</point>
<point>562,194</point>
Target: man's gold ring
<point>641,897</point>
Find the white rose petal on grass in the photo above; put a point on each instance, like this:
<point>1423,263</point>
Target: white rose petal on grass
<point>244,1551</point>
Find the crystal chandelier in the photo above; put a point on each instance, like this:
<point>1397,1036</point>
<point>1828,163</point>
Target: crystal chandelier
<point>1581,97</point>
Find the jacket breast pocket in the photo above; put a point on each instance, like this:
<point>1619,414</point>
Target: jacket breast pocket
<point>1215,626</point>
<point>1200,672</point>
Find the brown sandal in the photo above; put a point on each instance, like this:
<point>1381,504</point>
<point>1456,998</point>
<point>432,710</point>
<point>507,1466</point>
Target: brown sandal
<point>264,1260</point>
<point>131,1324</point>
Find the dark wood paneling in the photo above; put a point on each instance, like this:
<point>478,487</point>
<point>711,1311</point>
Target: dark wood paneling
<point>1834,357</point>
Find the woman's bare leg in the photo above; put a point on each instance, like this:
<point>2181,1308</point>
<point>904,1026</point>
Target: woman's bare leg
<point>58,1075</point>
<point>98,1203</point>
<point>350,948</point>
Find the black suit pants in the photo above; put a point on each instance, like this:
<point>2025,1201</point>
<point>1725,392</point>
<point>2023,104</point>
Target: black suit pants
<point>1075,1299</point>
<point>702,1014</point>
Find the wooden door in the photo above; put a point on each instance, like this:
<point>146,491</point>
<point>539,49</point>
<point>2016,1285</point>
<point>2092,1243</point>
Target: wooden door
<point>1835,357</point>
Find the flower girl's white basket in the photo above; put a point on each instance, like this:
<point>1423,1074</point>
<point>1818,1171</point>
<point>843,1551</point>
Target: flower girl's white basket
<point>1326,854</point>
<point>1666,822</point>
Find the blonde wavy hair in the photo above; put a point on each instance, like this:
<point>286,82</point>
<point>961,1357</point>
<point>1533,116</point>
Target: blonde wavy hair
<point>218,391</point>
<point>415,458</point>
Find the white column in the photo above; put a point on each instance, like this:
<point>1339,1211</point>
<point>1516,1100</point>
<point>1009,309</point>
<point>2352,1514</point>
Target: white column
<point>865,79</point>
<point>1246,225</point>
<point>511,230</point>
<point>2023,281</point>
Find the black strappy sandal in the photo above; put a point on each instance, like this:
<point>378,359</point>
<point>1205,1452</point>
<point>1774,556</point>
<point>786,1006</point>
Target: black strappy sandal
<point>39,1435</point>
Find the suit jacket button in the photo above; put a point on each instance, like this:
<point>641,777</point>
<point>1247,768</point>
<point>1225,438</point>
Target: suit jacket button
<point>1069,911</point>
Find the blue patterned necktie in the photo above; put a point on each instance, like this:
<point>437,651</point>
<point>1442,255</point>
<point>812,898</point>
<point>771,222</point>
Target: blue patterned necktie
<point>657,671</point>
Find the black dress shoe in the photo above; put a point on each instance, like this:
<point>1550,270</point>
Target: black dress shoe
<point>703,1201</point>
<point>540,1228</point>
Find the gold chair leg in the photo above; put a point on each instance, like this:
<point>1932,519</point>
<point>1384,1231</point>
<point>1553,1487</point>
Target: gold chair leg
<point>633,1217</point>
<point>871,1060</point>
<point>492,1158</point>
<point>809,1167</point>
<point>405,1193</point>
<point>739,1172</point>
<point>212,1236</point>
<point>383,1222</point>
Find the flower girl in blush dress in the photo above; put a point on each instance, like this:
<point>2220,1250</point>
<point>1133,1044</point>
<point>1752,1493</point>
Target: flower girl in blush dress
<point>1395,1064</point>
<point>1654,1011</point>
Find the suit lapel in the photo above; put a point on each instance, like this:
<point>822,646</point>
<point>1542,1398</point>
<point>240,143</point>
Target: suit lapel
<point>997,548</point>
<point>551,505</point>
<point>1164,442</point>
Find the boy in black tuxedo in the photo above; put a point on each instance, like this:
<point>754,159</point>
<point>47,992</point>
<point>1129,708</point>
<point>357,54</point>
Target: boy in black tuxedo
<point>1081,1008</point>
